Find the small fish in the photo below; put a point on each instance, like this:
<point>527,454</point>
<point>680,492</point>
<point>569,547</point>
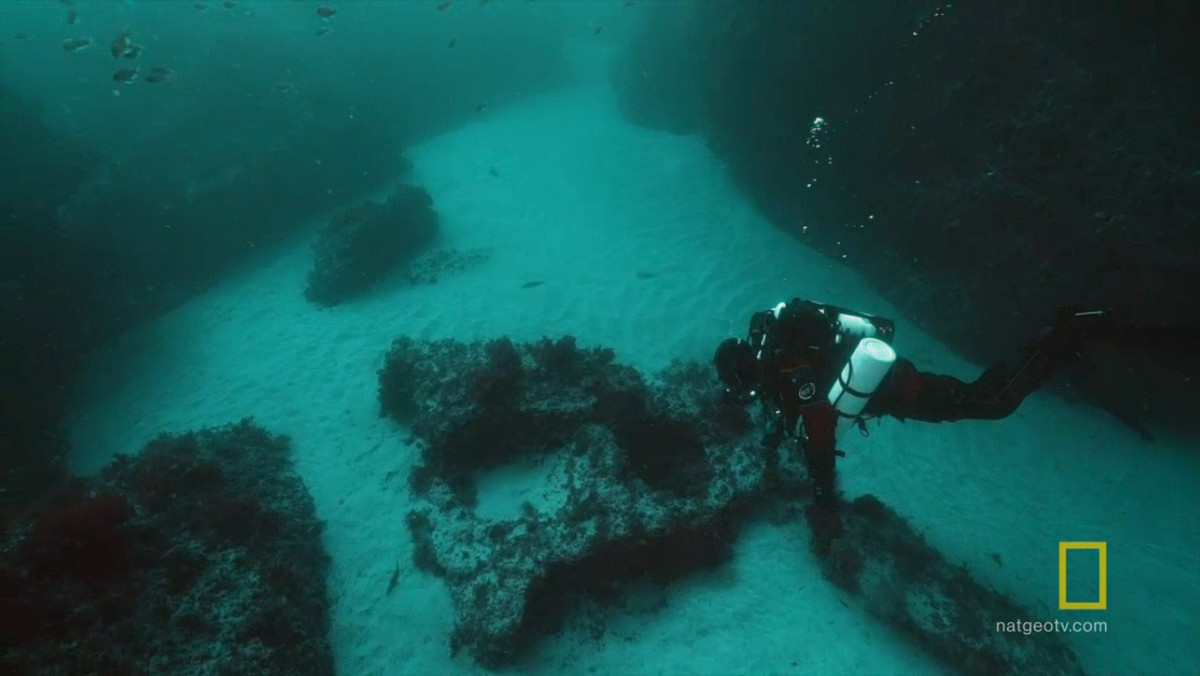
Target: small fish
<point>159,74</point>
<point>229,4</point>
<point>72,16</point>
<point>444,5</point>
<point>531,285</point>
<point>125,75</point>
<point>642,275</point>
<point>629,3</point>
<point>453,41</point>
<point>119,44</point>
<point>326,12</point>
<point>76,44</point>
<point>996,557</point>
<point>324,30</point>
<point>481,107</point>
<point>21,36</point>
<point>201,6</point>
<point>132,51</point>
<point>285,88</point>
<point>395,580</point>
<point>597,29</point>
<point>493,172</point>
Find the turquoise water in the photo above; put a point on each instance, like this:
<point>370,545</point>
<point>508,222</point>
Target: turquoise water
<point>638,240</point>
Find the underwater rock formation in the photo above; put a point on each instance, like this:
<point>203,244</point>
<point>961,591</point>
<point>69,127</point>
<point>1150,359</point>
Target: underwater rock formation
<point>362,244</point>
<point>912,587</point>
<point>652,480</point>
<point>200,554</point>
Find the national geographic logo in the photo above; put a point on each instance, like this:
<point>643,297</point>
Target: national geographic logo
<point>1100,603</point>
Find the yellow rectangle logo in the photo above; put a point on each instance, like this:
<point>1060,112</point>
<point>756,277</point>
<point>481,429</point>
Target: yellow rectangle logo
<point>1100,604</point>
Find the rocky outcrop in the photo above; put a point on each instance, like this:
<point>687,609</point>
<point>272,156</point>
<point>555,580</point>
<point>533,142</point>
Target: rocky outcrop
<point>649,480</point>
<point>202,553</point>
<point>361,245</point>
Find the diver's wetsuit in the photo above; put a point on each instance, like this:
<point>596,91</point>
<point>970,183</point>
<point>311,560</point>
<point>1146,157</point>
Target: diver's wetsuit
<point>794,350</point>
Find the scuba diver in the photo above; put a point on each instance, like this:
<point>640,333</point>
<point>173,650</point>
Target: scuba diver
<point>819,370</point>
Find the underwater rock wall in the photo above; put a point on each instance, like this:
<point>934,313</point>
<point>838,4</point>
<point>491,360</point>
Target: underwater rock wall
<point>101,243</point>
<point>179,210</point>
<point>980,163</point>
<point>40,297</point>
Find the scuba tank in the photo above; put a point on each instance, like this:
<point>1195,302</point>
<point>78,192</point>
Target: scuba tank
<point>864,371</point>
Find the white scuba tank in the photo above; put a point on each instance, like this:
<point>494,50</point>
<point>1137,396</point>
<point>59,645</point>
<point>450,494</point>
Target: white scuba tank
<point>859,379</point>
